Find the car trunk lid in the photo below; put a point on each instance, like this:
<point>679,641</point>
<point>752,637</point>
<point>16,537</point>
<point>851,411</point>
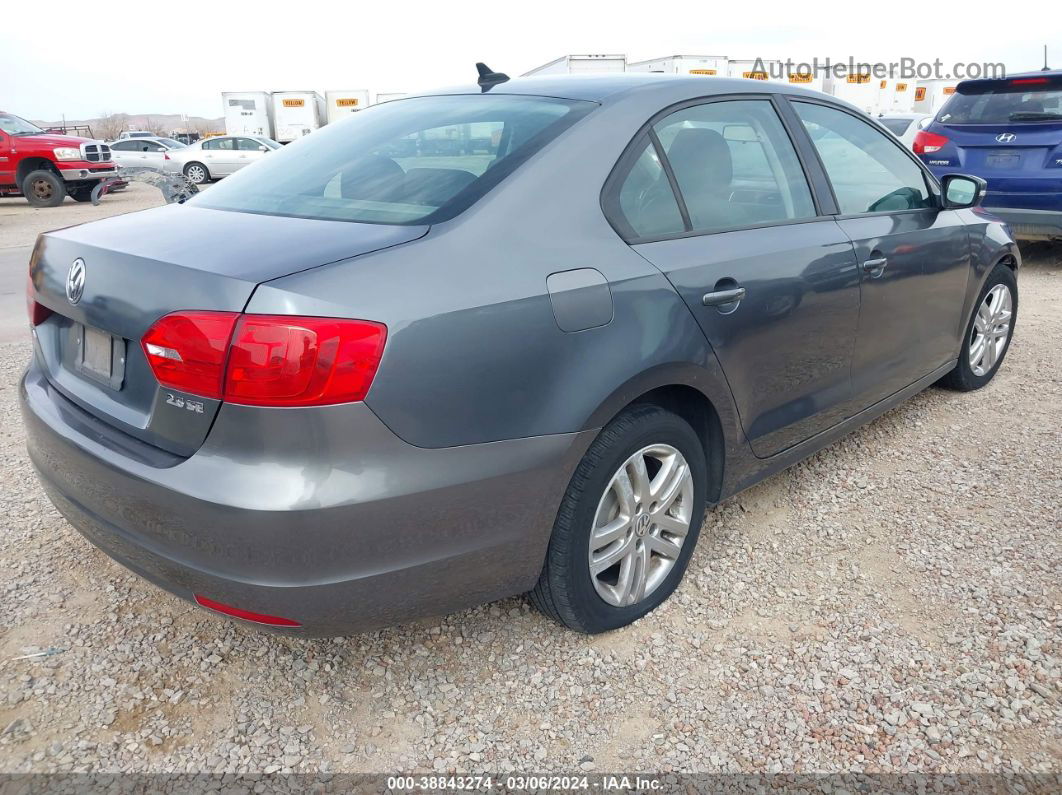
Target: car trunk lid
<point>141,266</point>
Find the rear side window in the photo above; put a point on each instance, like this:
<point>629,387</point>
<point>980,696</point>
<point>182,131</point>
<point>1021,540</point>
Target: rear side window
<point>415,161</point>
<point>645,199</point>
<point>867,167</point>
<point>735,165</point>
<point>1023,99</point>
<point>896,126</point>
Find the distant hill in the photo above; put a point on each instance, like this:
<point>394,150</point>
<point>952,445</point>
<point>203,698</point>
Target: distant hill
<point>108,127</point>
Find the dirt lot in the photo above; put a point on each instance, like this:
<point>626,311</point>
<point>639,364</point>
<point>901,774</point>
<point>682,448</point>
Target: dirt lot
<point>892,604</point>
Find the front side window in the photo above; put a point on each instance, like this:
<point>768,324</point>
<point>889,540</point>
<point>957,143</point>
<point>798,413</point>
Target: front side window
<point>417,161</point>
<point>868,169</point>
<point>248,145</point>
<point>735,165</point>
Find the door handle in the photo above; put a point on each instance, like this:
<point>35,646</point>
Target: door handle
<point>875,267</point>
<point>720,297</point>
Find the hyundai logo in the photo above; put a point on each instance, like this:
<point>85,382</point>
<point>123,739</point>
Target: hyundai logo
<point>1005,138</point>
<point>75,281</point>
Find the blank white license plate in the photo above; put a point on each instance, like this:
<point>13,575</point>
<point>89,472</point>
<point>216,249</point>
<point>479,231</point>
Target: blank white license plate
<point>97,353</point>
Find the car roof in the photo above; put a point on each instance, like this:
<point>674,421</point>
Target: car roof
<point>603,87</point>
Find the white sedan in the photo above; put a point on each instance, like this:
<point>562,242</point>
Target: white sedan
<point>905,125</point>
<point>218,156</point>
<point>144,152</point>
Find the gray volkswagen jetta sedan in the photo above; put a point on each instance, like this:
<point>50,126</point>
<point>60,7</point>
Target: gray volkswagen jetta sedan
<point>510,337</point>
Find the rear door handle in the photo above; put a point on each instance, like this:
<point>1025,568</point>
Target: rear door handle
<point>875,267</point>
<point>719,297</point>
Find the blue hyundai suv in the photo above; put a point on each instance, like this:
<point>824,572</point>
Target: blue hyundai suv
<point>1009,132</point>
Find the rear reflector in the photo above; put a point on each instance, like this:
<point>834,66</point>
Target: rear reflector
<point>246,615</point>
<point>265,360</point>
<point>926,143</point>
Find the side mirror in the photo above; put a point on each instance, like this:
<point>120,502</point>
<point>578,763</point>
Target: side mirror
<point>963,190</point>
<point>263,148</point>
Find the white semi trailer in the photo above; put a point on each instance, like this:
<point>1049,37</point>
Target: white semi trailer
<point>930,95</point>
<point>297,113</point>
<point>581,64</point>
<point>340,104</point>
<point>896,96</point>
<point>862,90</point>
<point>248,113</point>
<point>703,65</point>
<point>755,69</point>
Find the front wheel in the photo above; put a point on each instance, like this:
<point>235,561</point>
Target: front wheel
<point>628,523</point>
<point>43,188</point>
<point>196,173</point>
<point>988,332</point>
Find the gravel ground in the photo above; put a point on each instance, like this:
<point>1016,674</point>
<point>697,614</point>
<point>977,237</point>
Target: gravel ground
<point>892,604</point>
<point>20,222</point>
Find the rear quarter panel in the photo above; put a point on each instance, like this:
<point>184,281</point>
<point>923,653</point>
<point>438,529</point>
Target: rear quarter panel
<point>474,351</point>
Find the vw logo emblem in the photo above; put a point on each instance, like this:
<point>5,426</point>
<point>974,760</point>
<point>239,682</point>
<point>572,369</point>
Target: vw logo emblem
<point>1005,138</point>
<point>641,526</point>
<point>75,281</point>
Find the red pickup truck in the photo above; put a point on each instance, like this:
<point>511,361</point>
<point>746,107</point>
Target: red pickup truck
<point>45,167</point>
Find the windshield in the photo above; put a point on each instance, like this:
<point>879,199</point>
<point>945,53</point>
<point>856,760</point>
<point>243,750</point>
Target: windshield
<point>172,144</point>
<point>13,125</point>
<point>419,160</point>
<point>268,142</point>
<point>1020,99</point>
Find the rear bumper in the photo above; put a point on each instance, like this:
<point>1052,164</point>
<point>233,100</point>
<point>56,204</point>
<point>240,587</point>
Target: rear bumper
<point>321,516</point>
<point>1030,224</point>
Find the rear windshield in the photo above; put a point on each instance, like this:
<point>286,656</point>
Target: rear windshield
<point>896,126</point>
<point>1018,100</point>
<point>412,161</point>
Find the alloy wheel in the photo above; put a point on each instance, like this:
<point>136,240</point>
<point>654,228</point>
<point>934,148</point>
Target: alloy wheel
<point>991,330</point>
<point>196,174</point>
<point>641,524</point>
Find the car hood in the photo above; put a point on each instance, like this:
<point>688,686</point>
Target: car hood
<point>52,139</point>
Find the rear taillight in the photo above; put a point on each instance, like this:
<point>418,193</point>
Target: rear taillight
<point>187,350</point>
<point>277,360</point>
<point>37,311</point>
<point>926,143</point>
<point>165,156</point>
<point>266,360</point>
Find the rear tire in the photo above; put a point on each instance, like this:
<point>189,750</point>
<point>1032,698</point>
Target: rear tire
<point>996,303</point>
<point>43,188</point>
<point>568,589</point>
<point>197,173</point>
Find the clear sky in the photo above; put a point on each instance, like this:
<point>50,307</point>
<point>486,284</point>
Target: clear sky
<point>177,57</point>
